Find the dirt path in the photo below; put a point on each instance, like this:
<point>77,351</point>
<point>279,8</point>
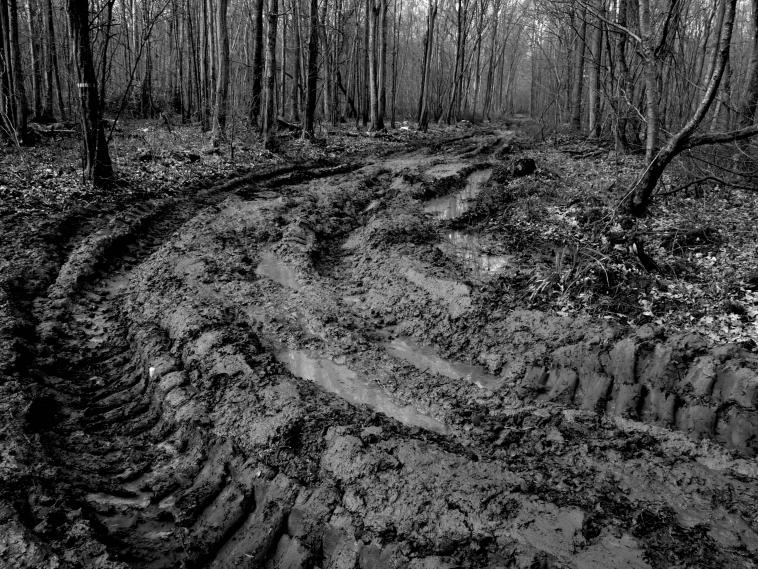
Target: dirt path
<point>306,370</point>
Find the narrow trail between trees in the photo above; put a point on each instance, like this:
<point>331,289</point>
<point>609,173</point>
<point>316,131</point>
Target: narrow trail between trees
<point>314,367</point>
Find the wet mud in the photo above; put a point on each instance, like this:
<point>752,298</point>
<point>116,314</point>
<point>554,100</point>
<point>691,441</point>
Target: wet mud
<point>307,370</point>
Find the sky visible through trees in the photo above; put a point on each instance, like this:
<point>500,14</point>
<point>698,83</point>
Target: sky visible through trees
<point>633,71</point>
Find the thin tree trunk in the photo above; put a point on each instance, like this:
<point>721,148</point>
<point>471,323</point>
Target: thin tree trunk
<point>577,82</point>
<point>750,100</point>
<point>97,163</point>
<point>204,72</point>
<point>651,80</point>
<point>367,58</point>
<point>622,81</point>
<point>7,98</point>
<point>269,117</point>
<point>255,108</point>
<point>643,188</point>
<point>423,119</point>
<point>222,81</point>
<point>295,94</point>
<point>283,69</point>
<point>376,123</point>
<point>491,63</point>
<point>106,42</point>
<point>382,63</point>
<point>35,53</point>
<point>310,105</point>
<point>397,21</point>
<point>19,91</point>
<point>595,121</point>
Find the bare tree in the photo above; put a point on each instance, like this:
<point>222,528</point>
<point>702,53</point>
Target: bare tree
<point>222,80</point>
<point>269,96</point>
<point>310,105</point>
<point>97,166</point>
<point>683,139</point>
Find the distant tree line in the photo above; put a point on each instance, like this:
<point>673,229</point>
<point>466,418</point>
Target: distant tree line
<point>659,76</point>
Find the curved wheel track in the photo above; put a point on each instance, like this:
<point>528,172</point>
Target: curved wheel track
<point>162,491</point>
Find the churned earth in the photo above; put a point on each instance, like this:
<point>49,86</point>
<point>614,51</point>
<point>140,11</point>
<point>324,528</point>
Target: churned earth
<point>357,365</point>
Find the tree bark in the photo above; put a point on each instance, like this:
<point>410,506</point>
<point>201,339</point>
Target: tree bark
<point>97,163</point>
<point>423,119</point>
<point>643,188</point>
<point>269,115</point>
<point>255,107</point>
<point>376,118</point>
<point>750,100</point>
<point>19,91</point>
<point>595,120</point>
<point>622,81</point>
<point>51,67</point>
<point>650,64</point>
<point>310,105</point>
<point>295,95</point>
<point>577,82</point>
<point>222,80</point>
<point>7,100</point>
<point>35,53</point>
<point>382,63</point>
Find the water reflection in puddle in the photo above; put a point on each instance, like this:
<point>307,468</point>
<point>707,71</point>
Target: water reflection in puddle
<point>468,248</point>
<point>353,388</point>
<point>426,359</point>
<point>456,204</point>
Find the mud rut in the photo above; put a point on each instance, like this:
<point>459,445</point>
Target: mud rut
<point>102,420</point>
<point>145,419</point>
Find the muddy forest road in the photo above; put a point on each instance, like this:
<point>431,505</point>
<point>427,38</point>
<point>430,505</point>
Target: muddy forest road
<point>308,368</point>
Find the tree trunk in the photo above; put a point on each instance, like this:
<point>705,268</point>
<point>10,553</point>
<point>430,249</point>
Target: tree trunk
<point>51,66</point>
<point>376,119</point>
<point>750,100</point>
<point>255,107</point>
<point>7,100</point>
<point>397,20</point>
<point>382,63</point>
<point>295,95</point>
<point>97,163</point>
<point>283,68</point>
<point>35,53</point>
<point>310,104</point>
<point>222,80</point>
<point>460,42</point>
<point>269,96</point>
<point>622,81</point>
<point>423,121</point>
<point>19,91</point>
<point>491,63</point>
<point>365,95</point>
<point>595,122</point>
<point>651,80</point>
<point>643,188</point>
<point>577,81</point>
<point>204,72</point>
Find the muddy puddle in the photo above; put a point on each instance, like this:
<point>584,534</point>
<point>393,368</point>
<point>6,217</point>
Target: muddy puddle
<point>279,272</point>
<point>427,360</point>
<point>357,390</point>
<point>467,248</point>
<point>456,204</point>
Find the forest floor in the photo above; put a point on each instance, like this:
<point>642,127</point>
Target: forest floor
<point>412,350</point>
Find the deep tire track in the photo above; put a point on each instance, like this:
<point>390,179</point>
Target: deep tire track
<point>100,405</point>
